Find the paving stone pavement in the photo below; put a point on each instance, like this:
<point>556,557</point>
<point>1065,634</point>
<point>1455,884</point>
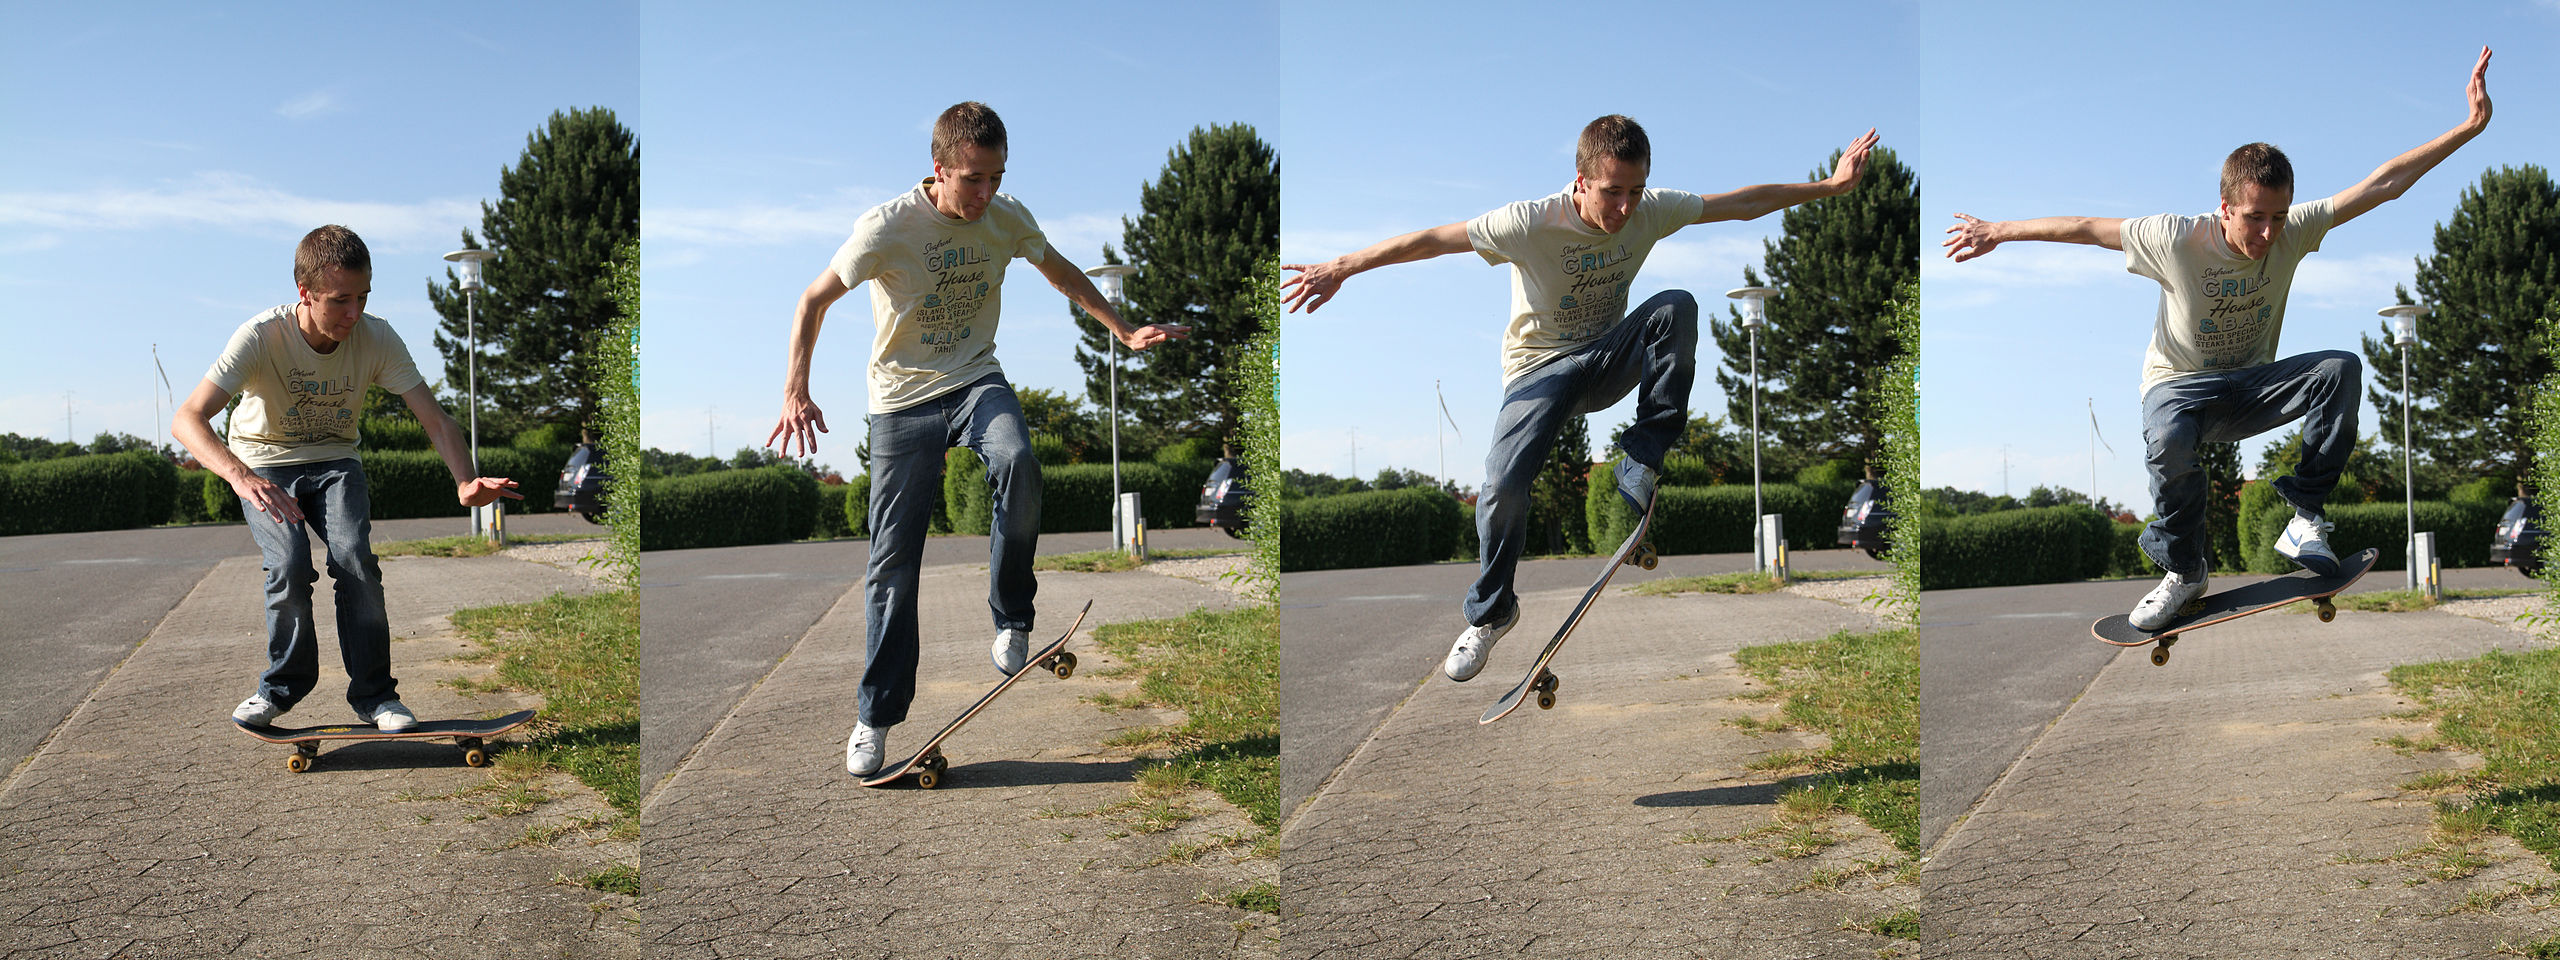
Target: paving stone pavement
<point>2235,802</point>
<point>760,845</point>
<point>1601,828</point>
<point>147,826</point>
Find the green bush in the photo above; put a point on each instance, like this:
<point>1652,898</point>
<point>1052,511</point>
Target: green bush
<point>190,501</point>
<point>2490,490</point>
<point>723,508</point>
<point>393,433</point>
<point>833,522</point>
<point>220,503</point>
<point>1379,528</point>
<point>1715,519</point>
<point>2127,558</point>
<point>543,437</point>
<point>2044,545</point>
<point>857,505</point>
<point>1049,449</point>
<point>415,483</point>
<point>114,491</point>
<point>2463,532</point>
<point>1187,450</point>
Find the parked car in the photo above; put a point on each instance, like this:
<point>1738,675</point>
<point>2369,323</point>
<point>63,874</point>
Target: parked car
<point>581,486</point>
<point>2518,540</point>
<point>1222,498</point>
<point>1863,524</point>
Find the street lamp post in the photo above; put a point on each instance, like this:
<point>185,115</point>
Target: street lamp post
<point>466,268</point>
<point>1110,278</point>
<point>2404,330</point>
<point>1755,314</point>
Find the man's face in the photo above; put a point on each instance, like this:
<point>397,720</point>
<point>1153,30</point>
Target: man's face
<point>2252,221</point>
<point>330,311</point>
<point>1607,198</point>
<point>964,190</point>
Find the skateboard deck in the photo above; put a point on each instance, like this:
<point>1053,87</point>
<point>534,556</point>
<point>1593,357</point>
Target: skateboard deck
<point>470,735</point>
<point>1637,551</point>
<point>2237,602</point>
<point>928,763</point>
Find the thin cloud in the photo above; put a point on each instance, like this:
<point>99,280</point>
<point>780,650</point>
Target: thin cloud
<point>313,104</point>
<point>236,202</point>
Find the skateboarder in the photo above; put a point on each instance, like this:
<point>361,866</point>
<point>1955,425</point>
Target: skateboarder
<point>937,257</point>
<point>301,370</point>
<point>2212,372</point>
<point>1573,347</point>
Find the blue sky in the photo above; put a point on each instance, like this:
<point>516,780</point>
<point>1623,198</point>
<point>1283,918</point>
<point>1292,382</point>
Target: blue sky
<point>2125,111</point>
<point>159,161</point>
<point>768,143</point>
<point>1398,117</point>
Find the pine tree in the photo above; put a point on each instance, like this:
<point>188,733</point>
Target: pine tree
<point>1203,230</point>
<point>1556,512</point>
<point>571,201</point>
<point>1836,266</point>
<point>2480,350</point>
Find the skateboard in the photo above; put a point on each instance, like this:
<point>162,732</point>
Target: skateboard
<point>928,763</point>
<point>2237,602</point>
<point>470,735</point>
<point>1638,552</point>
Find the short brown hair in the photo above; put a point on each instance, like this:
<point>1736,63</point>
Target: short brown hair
<point>2258,163</point>
<point>1615,136</point>
<point>972,123</point>
<point>329,246</point>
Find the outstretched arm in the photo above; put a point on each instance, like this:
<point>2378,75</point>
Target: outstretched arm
<point>1079,290</point>
<point>2390,180</point>
<point>469,487</point>
<point>802,421</point>
<point>1316,283</point>
<point>194,428</point>
<point>1750,203</point>
<point>1975,236</point>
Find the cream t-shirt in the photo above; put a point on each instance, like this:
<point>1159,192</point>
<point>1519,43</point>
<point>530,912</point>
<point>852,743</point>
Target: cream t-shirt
<point>936,297</point>
<point>2218,310</point>
<point>1569,281</point>
<point>298,405</point>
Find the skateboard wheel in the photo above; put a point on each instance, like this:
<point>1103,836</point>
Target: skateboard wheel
<point>2160,657</point>
<point>1649,559</point>
<point>476,757</point>
<point>1064,665</point>
<point>298,763</point>
<point>928,778</point>
<point>1546,700</point>
<point>2328,611</point>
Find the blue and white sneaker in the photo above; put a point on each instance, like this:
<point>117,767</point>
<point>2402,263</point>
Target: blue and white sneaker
<point>256,711</point>
<point>1636,482</point>
<point>390,717</point>
<point>1466,657</point>
<point>2307,543</point>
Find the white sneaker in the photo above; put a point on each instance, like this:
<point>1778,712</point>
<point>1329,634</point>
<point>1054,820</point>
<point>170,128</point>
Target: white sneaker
<point>1010,648</point>
<point>256,711</point>
<point>391,717</point>
<point>2165,601</point>
<point>863,750</point>
<point>1466,657</point>
<point>2307,542</point>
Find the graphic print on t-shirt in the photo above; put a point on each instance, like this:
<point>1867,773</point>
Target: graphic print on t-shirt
<point>1597,295</point>
<point>2235,316</point>
<point>959,292</point>
<point>315,410</point>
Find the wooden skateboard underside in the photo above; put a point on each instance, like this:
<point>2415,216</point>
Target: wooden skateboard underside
<point>928,763</point>
<point>467,734</point>
<point>2239,602</point>
<point>1637,551</point>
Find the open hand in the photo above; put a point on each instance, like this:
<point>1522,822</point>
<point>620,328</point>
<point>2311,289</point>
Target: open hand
<point>1314,285</point>
<point>485,490</point>
<point>270,499</point>
<point>1853,161</point>
<point>801,421</point>
<point>1971,239</point>
<point>1155,333</point>
<point>2479,90</point>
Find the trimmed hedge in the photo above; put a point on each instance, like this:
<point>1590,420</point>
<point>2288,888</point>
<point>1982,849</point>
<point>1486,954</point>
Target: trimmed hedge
<point>377,434</point>
<point>2127,559</point>
<point>2463,532</point>
<point>857,505</point>
<point>415,483</point>
<point>2044,545</point>
<point>115,491</point>
<point>190,502</point>
<point>219,502</point>
<point>1714,519</point>
<point>1077,497</point>
<point>725,508</point>
<point>833,522</point>
<point>1379,528</point>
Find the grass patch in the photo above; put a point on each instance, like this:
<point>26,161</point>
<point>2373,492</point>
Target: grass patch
<point>1863,691</point>
<point>1903,924</point>
<point>1114,561</point>
<point>1262,897</point>
<point>1221,668</point>
<point>2504,707</point>
<point>581,654</point>
<point>1747,581</point>
<point>467,545</point>
<point>2405,601</point>
<point>624,879</point>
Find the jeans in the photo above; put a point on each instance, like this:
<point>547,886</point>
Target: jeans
<point>906,477</point>
<point>1652,351</point>
<point>2323,390</point>
<point>335,505</point>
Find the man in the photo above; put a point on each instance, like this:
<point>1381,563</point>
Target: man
<point>1573,347</point>
<point>301,371</point>
<point>2211,374</point>
<point>938,255</point>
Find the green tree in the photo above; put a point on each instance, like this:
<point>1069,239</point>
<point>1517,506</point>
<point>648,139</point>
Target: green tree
<point>1827,344</point>
<point>1556,498</point>
<point>1204,228</point>
<point>1056,413</point>
<point>2221,463</point>
<point>2495,269</point>
<point>571,201</point>
<point>616,368</point>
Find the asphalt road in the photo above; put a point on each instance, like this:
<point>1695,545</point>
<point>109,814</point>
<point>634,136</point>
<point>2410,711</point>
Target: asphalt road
<point>717,620</point>
<point>1999,664</point>
<point>1355,643</point>
<point>78,603</point>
